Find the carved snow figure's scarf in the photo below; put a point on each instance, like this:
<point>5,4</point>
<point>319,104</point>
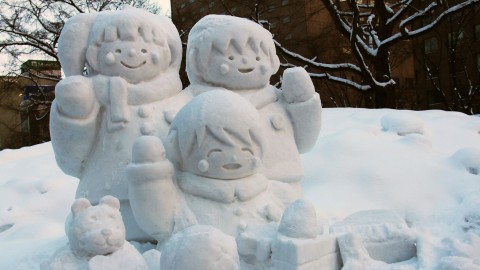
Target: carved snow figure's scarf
<point>119,96</point>
<point>224,191</point>
<point>118,107</point>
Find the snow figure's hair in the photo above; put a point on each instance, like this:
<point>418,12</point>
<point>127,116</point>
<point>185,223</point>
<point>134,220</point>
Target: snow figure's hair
<point>83,33</point>
<point>221,31</point>
<point>221,114</point>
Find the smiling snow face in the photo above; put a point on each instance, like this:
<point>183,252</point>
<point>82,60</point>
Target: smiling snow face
<point>132,60</point>
<point>240,67</point>
<point>216,159</point>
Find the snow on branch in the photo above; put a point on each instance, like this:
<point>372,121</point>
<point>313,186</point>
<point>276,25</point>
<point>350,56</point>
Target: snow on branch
<point>406,33</point>
<point>341,80</point>
<point>334,67</point>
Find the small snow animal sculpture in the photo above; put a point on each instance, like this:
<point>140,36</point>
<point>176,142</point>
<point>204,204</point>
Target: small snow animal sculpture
<point>216,146</point>
<point>226,52</point>
<point>132,58</point>
<point>96,236</point>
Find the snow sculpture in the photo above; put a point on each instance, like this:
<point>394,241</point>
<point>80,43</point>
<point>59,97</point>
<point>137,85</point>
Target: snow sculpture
<point>225,52</point>
<point>216,145</point>
<point>132,59</point>
<point>200,247</point>
<point>96,236</point>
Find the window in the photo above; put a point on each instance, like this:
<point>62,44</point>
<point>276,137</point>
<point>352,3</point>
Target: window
<point>284,2</point>
<point>182,5</point>
<point>430,45</point>
<point>434,96</point>
<point>233,9</point>
<point>201,10</point>
<point>477,32</point>
<point>271,8</point>
<point>191,1</point>
<point>455,38</point>
<point>289,36</point>
<point>286,19</point>
<point>478,62</point>
<point>211,4</point>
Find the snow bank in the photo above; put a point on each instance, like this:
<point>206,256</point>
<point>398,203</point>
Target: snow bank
<point>356,165</point>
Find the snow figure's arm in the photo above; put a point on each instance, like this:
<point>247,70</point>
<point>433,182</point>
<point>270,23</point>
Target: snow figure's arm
<point>151,191</point>
<point>73,123</point>
<point>303,106</point>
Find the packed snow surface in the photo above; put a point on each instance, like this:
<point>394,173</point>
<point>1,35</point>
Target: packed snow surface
<point>422,165</point>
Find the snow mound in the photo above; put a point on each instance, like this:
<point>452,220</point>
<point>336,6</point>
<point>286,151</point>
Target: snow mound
<point>202,248</point>
<point>469,159</point>
<point>403,123</point>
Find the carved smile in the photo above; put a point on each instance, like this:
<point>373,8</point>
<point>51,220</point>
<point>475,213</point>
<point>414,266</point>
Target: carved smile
<point>133,67</point>
<point>245,70</point>
<point>232,166</point>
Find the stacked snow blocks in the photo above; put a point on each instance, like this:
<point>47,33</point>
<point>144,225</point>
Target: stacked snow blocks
<point>321,252</point>
<point>297,242</point>
<point>263,247</point>
<point>385,235</point>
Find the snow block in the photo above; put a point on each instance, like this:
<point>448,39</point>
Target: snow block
<point>385,235</point>
<point>318,253</point>
<point>254,245</point>
<point>328,262</point>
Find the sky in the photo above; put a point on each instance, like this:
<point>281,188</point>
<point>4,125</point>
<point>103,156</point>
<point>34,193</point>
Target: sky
<point>164,4</point>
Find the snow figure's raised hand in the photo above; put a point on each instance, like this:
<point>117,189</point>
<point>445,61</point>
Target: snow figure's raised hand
<point>121,72</point>
<point>151,190</point>
<point>75,97</point>
<point>297,85</point>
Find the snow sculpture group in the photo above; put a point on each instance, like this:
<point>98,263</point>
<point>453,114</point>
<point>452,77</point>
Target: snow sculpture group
<point>212,172</point>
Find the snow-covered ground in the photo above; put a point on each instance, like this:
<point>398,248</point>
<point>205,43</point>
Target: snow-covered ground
<point>424,165</point>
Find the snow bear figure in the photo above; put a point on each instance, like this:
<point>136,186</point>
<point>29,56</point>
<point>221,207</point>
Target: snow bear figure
<point>95,230</point>
<point>96,237</point>
<point>121,71</point>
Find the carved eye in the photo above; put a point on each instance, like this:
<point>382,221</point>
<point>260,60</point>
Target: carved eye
<point>118,51</point>
<point>213,151</point>
<point>258,58</point>
<point>144,51</point>
<point>248,150</point>
<point>231,57</point>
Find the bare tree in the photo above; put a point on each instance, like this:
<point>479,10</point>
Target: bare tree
<point>373,35</point>
<point>452,75</point>
<point>373,28</point>
<point>30,27</point>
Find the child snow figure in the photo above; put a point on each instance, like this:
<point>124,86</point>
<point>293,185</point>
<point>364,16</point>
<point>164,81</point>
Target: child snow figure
<point>216,144</point>
<point>225,52</point>
<point>132,58</point>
